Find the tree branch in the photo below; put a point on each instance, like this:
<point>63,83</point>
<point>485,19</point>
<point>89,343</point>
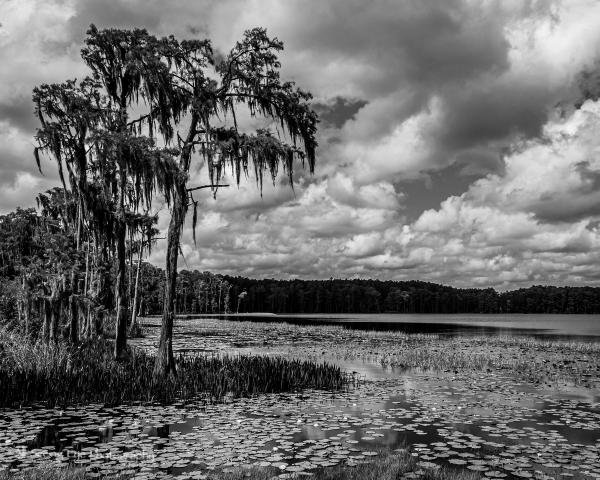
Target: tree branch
<point>205,186</point>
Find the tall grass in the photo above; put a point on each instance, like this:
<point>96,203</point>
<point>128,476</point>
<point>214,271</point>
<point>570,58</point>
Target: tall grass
<point>540,343</point>
<point>61,375</point>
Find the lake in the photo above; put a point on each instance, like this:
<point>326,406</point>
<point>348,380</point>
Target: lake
<point>502,404</point>
<point>558,326</point>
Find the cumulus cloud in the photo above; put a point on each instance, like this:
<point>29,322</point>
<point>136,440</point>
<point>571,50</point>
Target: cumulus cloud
<point>442,155</point>
<point>535,222</point>
<point>499,232</point>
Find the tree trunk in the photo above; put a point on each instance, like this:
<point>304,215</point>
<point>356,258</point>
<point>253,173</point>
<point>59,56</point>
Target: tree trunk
<point>47,314</point>
<point>27,304</point>
<point>165,362</point>
<point>27,314</point>
<point>55,311</point>
<point>73,309</point>
<point>220,288</point>
<point>74,328</point>
<point>134,311</point>
<point>130,273</point>
<point>121,293</point>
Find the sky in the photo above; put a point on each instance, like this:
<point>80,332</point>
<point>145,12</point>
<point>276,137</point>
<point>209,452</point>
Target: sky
<point>455,145</point>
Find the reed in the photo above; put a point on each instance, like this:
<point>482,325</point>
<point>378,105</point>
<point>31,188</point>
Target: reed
<point>59,375</point>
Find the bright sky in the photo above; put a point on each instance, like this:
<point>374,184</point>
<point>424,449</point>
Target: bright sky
<point>450,150</point>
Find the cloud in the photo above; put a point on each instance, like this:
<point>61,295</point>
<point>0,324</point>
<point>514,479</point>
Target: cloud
<point>493,234</point>
<point>539,217</point>
<point>336,111</point>
<point>442,155</point>
<point>22,191</point>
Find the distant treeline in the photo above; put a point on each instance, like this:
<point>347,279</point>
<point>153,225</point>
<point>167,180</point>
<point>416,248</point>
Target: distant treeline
<point>373,296</point>
<point>45,282</point>
<point>203,292</point>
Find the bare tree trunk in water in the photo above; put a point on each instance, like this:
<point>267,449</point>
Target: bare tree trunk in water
<point>121,291</point>
<point>165,362</point>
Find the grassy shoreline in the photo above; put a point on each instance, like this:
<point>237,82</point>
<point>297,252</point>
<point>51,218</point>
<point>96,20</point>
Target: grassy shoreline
<point>63,375</point>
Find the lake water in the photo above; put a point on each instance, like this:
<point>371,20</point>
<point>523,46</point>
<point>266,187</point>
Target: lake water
<point>490,421</point>
<point>557,326</point>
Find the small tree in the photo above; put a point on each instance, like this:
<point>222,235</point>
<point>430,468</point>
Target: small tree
<point>241,297</point>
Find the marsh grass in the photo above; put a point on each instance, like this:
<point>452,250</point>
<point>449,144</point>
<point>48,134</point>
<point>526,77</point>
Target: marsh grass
<point>59,375</point>
<point>532,359</point>
<point>436,359</point>
<point>539,343</point>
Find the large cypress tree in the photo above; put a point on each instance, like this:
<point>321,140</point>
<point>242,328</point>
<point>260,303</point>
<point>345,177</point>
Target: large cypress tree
<point>214,90</point>
<point>113,168</point>
<point>144,88</point>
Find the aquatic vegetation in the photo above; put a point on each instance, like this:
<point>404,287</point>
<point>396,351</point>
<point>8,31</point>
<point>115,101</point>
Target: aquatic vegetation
<point>536,360</point>
<point>48,473</point>
<point>62,375</point>
<point>484,419</point>
<point>386,465</point>
<point>484,423</point>
<point>20,352</point>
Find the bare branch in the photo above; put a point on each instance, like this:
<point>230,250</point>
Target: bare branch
<point>205,186</point>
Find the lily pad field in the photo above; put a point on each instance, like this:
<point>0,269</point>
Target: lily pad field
<point>488,406</point>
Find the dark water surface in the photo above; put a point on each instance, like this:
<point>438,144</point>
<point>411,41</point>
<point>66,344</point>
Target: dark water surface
<point>562,327</point>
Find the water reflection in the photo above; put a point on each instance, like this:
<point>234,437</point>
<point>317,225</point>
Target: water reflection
<point>564,327</point>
